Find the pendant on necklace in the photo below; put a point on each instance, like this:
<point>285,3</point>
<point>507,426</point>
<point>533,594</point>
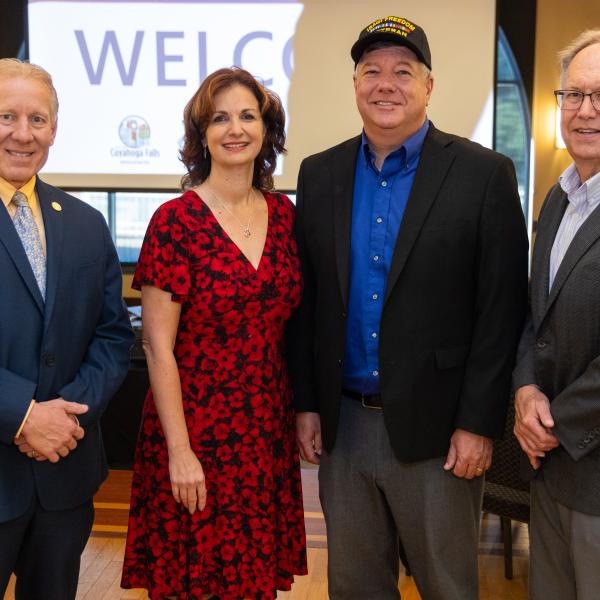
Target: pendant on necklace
<point>247,232</point>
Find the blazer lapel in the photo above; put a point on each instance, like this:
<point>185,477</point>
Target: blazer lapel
<point>588,234</point>
<point>12,242</point>
<point>546,232</point>
<point>53,225</point>
<point>434,163</point>
<point>343,190</point>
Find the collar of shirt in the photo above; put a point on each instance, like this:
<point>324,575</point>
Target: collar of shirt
<point>580,193</point>
<point>400,158</point>
<point>7,191</point>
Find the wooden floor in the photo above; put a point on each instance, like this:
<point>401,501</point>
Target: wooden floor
<point>103,556</point>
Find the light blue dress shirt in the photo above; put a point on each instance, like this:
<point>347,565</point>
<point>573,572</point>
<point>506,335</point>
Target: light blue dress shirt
<point>583,199</point>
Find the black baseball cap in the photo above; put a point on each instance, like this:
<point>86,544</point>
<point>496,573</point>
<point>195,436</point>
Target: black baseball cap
<point>396,30</point>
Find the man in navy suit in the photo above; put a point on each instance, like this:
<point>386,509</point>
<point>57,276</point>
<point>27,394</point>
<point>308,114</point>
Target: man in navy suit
<point>64,348</point>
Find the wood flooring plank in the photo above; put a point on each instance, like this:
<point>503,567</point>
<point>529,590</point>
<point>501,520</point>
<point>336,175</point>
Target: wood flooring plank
<point>407,588</point>
<point>133,595</point>
<point>103,557</point>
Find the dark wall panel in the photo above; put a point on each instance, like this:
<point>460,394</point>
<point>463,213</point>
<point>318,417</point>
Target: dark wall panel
<point>517,19</point>
<point>12,27</point>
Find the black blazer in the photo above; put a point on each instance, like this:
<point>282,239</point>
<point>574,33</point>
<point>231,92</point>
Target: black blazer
<point>454,304</point>
<point>560,352</point>
<point>74,345</point>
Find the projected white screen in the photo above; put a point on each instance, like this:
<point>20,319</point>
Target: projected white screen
<point>124,71</point>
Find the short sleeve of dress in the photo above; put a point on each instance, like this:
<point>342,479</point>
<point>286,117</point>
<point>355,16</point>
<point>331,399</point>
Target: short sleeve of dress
<point>290,206</point>
<point>163,261</point>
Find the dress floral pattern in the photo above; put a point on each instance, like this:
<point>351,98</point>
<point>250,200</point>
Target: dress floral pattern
<point>249,541</point>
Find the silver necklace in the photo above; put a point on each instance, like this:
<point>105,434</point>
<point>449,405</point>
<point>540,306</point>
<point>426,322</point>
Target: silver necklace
<point>245,228</point>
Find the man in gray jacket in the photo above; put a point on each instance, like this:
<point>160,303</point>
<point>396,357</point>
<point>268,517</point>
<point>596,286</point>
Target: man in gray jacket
<point>557,377</point>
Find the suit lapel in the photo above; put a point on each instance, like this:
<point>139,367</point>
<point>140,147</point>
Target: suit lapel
<point>588,234</point>
<point>434,163</point>
<point>548,225</point>
<point>53,225</point>
<point>343,190</point>
<point>12,242</point>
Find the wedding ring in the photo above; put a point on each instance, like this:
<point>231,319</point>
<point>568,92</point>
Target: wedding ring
<point>32,454</point>
<point>478,469</point>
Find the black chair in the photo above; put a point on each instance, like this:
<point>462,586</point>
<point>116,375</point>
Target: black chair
<point>121,420</point>
<point>505,493</point>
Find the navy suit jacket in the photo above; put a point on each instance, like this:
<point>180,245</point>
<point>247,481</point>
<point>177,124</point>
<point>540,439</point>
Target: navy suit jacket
<point>75,345</point>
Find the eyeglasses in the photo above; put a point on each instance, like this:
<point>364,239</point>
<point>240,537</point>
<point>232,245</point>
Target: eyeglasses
<point>573,99</point>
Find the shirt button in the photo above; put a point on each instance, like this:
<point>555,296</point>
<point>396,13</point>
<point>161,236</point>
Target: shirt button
<point>375,373</point>
<point>375,296</point>
<point>374,335</point>
<point>384,183</point>
<point>376,258</point>
<point>379,220</point>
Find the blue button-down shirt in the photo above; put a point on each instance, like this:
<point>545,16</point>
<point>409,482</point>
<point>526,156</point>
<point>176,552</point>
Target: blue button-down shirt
<point>378,206</point>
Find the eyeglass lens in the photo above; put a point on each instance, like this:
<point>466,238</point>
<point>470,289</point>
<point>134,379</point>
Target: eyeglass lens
<point>572,99</point>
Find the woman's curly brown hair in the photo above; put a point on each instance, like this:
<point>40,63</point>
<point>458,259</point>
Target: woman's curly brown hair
<point>200,109</point>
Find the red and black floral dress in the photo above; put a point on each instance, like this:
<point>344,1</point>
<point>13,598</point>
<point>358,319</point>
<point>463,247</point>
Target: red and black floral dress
<point>249,541</point>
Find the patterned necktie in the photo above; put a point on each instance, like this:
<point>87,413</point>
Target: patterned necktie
<point>30,238</point>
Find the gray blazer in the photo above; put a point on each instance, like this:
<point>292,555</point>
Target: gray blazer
<point>560,352</point>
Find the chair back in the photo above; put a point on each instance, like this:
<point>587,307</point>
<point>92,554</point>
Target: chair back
<point>505,493</point>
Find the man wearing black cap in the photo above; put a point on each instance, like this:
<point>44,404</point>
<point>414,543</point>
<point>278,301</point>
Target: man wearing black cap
<point>414,256</point>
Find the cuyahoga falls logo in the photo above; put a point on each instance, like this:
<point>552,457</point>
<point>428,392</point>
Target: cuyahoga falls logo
<point>134,131</point>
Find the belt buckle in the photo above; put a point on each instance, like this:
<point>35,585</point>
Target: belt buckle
<point>369,406</point>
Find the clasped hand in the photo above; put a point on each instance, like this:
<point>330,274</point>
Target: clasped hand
<point>534,423</point>
<point>51,430</point>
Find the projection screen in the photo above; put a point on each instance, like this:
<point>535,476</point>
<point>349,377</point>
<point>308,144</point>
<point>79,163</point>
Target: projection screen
<point>124,70</point>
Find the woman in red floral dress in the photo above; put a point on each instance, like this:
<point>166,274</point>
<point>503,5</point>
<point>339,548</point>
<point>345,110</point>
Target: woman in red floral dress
<point>216,503</point>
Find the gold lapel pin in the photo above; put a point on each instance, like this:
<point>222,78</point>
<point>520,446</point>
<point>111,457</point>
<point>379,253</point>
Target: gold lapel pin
<point>56,206</point>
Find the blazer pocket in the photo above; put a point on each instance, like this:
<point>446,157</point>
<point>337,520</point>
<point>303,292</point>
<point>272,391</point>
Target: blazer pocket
<point>88,272</point>
<point>450,358</point>
<point>448,228</point>
<point>89,264</point>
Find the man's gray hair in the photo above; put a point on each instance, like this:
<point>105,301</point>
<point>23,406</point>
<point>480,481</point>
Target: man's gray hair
<point>12,68</point>
<point>566,55</point>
